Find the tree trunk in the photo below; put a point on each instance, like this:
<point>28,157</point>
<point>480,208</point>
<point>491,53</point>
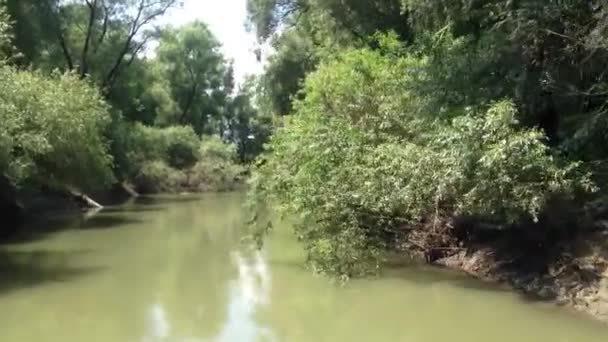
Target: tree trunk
<point>188,104</point>
<point>84,200</point>
<point>87,41</point>
<point>66,51</point>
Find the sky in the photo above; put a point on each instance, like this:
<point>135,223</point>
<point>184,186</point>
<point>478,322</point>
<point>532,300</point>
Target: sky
<point>226,19</point>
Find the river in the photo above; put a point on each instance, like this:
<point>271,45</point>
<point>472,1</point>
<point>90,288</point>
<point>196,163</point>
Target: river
<point>171,269</point>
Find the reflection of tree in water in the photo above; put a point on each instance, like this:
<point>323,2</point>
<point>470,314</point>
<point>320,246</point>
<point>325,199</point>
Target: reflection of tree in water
<point>307,308</point>
<point>247,293</point>
<point>303,306</point>
<point>191,286</point>
<point>250,291</point>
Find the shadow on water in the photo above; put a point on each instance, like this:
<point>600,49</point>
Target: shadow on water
<point>162,200</point>
<point>134,209</point>
<point>26,269</point>
<point>426,275</point>
<point>291,265</point>
<point>43,227</point>
<point>106,221</point>
<point>40,228</point>
<point>430,275</point>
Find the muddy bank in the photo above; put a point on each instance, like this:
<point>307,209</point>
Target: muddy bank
<point>576,276</point>
<point>29,204</point>
<point>53,201</point>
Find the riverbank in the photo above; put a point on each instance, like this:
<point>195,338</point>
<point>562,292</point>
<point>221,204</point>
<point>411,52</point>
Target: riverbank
<point>20,207</point>
<point>573,274</point>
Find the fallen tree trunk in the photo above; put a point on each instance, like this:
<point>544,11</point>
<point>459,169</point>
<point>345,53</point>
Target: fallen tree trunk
<point>84,200</point>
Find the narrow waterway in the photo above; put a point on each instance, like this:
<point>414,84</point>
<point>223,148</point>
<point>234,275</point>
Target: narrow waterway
<point>172,270</point>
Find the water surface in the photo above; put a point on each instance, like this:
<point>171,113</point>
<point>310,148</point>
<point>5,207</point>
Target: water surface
<point>172,270</point>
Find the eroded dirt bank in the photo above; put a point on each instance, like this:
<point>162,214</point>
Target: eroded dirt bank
<point>574,275</point>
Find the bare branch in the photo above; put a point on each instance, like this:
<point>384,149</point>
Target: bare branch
<point>54,11</point>
<point>104,27</point>
<point>65,50</point>
<point>87,41</point>
<point>142,18</point>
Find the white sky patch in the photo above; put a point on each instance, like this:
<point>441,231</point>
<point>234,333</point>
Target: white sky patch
<point>226,19</point>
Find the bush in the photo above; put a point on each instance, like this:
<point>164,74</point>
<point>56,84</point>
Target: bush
<point>361,159</point>
<point>182,145</point>
<point>158,177</point>
<point>217,169</point>
<point>177,146</point>
<point>52,130</point>
<point>213,148</point>
<point>180,155</point>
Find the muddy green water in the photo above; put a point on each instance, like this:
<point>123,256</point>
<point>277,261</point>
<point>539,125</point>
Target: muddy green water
<point>171,270</point>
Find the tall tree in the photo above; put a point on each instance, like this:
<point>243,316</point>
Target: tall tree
<point>246,125</point>
<point>190,61</point>
<point>303,31</point>
<point>97,38</point>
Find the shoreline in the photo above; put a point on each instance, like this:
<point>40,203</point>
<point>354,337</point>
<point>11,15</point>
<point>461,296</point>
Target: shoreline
<point>577,280</point>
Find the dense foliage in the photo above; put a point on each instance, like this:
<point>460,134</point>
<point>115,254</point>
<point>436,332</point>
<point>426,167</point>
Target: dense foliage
<point>217,169</point>
<point>405,116</point>
<point>52,130</point>
<point>193,69</point>
<point>83,105</point>
<point>175,159</point>
<point>176,146</point>
<point>361,150</point>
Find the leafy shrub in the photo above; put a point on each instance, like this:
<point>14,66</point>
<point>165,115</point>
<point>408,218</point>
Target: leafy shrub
<point>182,146</point>
<point>361,157</point>
<point>213,148</point>
<point>176,145</point>
<point>207,176</point>
<point>157,177</point>
<point>217,169</point>
<point>181,155</point>
<point>52,130</point>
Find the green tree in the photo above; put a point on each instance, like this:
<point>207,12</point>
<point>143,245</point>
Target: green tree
<point>246,125</point>
<point>52,130</point>
<point>355,18</point>
<point>100,38</point>
<point>195,71</point>
<point>295,56</point>
<point>364,159</point>
<point>310,30</point>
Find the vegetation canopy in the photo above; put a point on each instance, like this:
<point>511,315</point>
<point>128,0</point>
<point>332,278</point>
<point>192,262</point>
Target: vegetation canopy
<point>82,107</point>
<point>368,159</point>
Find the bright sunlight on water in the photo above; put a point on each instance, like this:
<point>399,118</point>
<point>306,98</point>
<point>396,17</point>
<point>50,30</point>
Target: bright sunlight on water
<point>172,270</point>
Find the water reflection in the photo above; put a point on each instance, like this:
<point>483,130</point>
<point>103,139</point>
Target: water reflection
<point>158,324</point>
<point>249,292</point>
